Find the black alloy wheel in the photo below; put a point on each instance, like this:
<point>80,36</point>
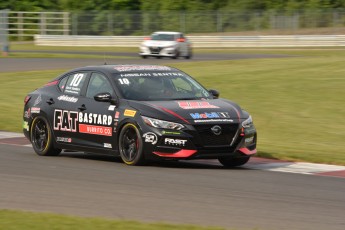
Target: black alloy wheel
<point>41,138</point>
<point>131,145</point>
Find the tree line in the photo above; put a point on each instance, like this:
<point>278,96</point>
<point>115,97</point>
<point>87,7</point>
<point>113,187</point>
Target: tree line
<point>163,5</point>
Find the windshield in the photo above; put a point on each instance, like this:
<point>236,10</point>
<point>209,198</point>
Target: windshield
<point>163,37</point>
<point>159,86</point>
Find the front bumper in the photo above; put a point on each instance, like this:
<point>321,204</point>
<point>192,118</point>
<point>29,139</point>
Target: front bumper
<point>200,143</point>
<point>158,51</point>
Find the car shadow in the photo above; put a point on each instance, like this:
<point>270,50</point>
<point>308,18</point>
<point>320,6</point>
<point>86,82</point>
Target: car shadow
<point>185,164</point>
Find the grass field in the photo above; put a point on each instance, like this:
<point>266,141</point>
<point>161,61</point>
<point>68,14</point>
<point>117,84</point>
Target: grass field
<point>297,103</point>
<point>19,220</point>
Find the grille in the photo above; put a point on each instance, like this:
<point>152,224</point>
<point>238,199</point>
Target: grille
<point>155,50</point>
<point>208,138</point>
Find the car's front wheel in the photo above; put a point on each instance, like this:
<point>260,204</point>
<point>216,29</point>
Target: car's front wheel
<point>41,138</point>
<point>131,145</point>
<point>230,162</point>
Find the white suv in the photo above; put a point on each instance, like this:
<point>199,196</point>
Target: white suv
<point>166,44</point>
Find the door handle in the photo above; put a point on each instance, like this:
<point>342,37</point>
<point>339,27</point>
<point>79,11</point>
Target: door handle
<point>82,107</point>
<point>50,101</point>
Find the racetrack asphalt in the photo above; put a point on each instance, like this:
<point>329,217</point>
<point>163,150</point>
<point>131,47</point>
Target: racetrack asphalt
<point>260,195</point>
<point>30,64</point>
<point>188,192</point>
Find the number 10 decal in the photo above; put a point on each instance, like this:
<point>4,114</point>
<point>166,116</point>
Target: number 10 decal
<point>77,79</point>
<point>124,81</point>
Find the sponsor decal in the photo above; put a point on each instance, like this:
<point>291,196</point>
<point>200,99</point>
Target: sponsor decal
<point>96,130</point>
<point>65,120</point>
<point>67,98</point>
<point>178,142</point>
<point>249,140</point>
<point>117,115</point>
<point>196,105</point>
<point>213,120</point>
<point>64,139</point>
<point>74,86</point>
<point>150,138</point>
<point>111,107</point>
<point>94,118</point>
<point>107,145</point>
<point>210,115</point>
<point>123,68</point>
<point>26,125</point>
<point>129,113</point>
<point>27,113</point>
<point>35,110</point>
<point>38,100</point>
<point>164,132</point>
<point>116,122</point>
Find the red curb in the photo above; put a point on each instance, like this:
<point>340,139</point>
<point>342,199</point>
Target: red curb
<point>340,173</point>
<point>15,141</point>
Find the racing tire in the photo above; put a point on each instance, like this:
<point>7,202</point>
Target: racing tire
<point>189,56</point>
<point>131,145</point>
<point>177,54</point>
<point>41,138</point>
<point>230,162</point>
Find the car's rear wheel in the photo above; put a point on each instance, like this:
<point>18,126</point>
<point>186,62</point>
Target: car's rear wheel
<point>189,55</point>
<point>131,145</point>
<point>233,161</point>
<point>41,138</point>
<point>143,56</point>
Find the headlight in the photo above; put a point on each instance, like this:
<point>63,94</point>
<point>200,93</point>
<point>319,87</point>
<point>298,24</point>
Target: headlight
<point>248,122</point>
<point>162,124</point>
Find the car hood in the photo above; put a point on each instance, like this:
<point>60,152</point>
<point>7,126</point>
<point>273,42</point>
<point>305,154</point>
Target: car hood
<point>191,111</point>
<point>159,43</point>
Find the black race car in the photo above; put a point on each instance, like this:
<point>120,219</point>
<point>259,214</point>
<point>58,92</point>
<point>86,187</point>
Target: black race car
<point>139,112</point>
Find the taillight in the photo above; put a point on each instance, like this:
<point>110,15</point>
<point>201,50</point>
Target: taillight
<point>27,99</point>
<point>147,38</point>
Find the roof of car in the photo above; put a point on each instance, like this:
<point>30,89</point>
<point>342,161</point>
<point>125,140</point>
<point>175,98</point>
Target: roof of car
<point>166,32</point>
<point>126,68</point>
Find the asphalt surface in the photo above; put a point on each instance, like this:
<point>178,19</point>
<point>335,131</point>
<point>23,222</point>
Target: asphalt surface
<point>201,193</point>
<point>27,64</point>
<point>187,192</point>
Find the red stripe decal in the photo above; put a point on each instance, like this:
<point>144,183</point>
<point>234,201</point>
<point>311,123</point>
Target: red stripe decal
<point>247,151</point>
<point>52,83</point>
<point>174,114</point>
<point>180,154</point>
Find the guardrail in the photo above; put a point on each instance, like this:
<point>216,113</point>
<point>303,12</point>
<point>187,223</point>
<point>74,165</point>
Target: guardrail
<point>197,41</point>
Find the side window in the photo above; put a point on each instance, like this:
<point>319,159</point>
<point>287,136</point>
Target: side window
<point>98,84</point>
<point>62,83</point>
<point>75,83</point>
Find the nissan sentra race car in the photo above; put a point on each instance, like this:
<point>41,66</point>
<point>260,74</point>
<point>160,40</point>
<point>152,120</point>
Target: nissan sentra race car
<point>138,112</point>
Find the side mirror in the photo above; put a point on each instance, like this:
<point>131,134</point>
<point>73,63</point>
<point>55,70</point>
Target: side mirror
<point>103,97</point>
<point>214,93</point>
